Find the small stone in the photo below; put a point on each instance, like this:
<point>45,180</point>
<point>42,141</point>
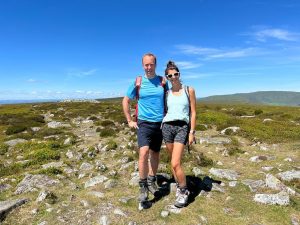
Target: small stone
<point>119,212</point>
<point>164,213</point>
<point>232,183</point>
<point>104,220</point>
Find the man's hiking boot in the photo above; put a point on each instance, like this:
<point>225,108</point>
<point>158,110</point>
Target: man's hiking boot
<point>152,186</point>
<point>143,196</point>
<point>182,198</point>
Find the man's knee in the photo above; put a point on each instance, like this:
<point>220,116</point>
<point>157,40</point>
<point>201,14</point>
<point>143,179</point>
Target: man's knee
<point>144,153</point>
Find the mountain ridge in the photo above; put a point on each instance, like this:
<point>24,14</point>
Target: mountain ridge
<point>288,98</point>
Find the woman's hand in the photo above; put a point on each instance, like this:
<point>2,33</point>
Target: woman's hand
<point>191,138</point>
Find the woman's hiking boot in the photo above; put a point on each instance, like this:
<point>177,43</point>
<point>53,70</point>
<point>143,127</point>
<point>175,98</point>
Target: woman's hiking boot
<point>182,197</point>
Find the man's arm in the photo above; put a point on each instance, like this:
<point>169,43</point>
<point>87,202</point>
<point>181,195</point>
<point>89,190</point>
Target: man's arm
<point>126,110</point>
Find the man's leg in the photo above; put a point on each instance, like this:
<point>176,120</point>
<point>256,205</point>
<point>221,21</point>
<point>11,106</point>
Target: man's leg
<point>143,172</point>
<point>153,164</point>
<point>153,167</point>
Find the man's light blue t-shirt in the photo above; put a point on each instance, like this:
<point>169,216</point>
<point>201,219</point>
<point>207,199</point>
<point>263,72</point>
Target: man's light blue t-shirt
<point>151,99</point>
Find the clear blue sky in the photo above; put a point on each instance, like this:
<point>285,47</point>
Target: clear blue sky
<point>92,49</point>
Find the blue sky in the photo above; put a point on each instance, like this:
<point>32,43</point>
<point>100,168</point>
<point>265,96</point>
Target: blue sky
<point>93,49</point>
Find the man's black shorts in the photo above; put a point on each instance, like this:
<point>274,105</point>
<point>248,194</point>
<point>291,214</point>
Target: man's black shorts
<point>149,134</point>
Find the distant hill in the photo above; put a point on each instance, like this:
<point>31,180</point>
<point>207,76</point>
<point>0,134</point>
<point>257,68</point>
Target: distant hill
<point>288,98</point>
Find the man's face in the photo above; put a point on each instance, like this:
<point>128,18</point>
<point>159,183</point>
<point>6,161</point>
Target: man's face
<point>149,65</point>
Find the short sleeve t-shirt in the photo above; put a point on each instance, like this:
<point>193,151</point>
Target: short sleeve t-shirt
<point>151,99</point>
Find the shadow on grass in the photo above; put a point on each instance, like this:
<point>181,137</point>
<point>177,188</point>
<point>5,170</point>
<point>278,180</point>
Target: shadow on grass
<point>195,186</point>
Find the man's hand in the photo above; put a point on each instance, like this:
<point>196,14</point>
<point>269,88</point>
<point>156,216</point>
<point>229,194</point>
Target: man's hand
<point>133,124</point>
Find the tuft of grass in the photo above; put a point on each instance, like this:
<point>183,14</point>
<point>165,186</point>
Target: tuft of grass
<point>107,123</point>
<point>43,155</point>
<point>201,127</point>
<point>51,171</point>
<point>15,129</point>
<point>235,151</point>
<point>258,112</point>
<point>202,160</point>
<point>107,133</point>
<point>10,169</point>
<point>111,144</point>
<point>3,148</point>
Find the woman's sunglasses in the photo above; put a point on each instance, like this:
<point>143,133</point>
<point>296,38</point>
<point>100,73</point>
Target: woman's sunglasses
<point>172,75</point>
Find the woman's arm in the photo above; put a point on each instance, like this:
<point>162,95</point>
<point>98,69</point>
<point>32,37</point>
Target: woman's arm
<point>193,114</point>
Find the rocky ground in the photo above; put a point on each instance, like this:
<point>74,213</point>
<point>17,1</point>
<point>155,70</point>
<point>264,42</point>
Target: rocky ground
<point>256,183</point>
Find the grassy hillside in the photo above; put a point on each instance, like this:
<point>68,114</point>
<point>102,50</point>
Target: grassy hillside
<point>261,97</point>
<point>93,140</point>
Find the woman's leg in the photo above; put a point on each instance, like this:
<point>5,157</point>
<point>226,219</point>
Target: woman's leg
<point>177,153</point>
<point>170,147</point>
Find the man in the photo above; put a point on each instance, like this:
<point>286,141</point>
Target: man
<point>150,115</point>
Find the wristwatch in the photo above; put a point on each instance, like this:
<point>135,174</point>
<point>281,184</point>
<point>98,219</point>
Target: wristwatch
<point>192,131</point>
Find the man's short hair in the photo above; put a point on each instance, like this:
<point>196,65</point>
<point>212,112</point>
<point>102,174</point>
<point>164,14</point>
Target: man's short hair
<point>149,54</point>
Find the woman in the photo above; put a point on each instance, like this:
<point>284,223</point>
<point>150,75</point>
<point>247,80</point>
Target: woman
<point>179,127</point>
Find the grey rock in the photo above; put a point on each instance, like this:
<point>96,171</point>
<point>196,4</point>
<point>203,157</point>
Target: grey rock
<point>104,220</point>
<point>267,168</point>
<point>274,183</point>
<point>234,129</point>
<point>86,166</point>
<point>42,196</point>
<point>95,180</point>
<point>110,184</point>
<point>70,154</point>
<point>43,223</point>
<point>254,184</point>
<point>31,182</point>
<point>197,171</point>
<point>67,141</point>
<point>55,124</point>
<point>203,219</point>
<point>132,223</point>
<point>173,209</point>
<point>224,173</point>
<point>215,140</point>
<point>53,164</point>
<point>126,165</point>
<point>84,203</point>
<point>134,181</point>
<point>289,175</point>
<point>295,220</point>
<point>217,187</point>
<point>100,166</point>
<point>97,194</point>
<point>4,187</point>
<point>126,199</point>
<point>12,143</point>
<point>267,120</point>
<point>9,205</point>
<point>164,213</point>
<point>281,198</point>
<point>232,183</point>
<point>35,129</point>
<point>258,158</point>
<point>120,213</point>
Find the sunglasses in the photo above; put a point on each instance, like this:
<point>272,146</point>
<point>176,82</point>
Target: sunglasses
<point>172,75</point>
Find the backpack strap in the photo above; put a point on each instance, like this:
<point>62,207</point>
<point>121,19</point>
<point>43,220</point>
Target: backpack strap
<point>138,83</point>
<point>187,92</point>
<point>163,83</point>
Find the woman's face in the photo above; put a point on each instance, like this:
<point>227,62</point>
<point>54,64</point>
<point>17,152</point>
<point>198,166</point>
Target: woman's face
<point>173,75</point>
